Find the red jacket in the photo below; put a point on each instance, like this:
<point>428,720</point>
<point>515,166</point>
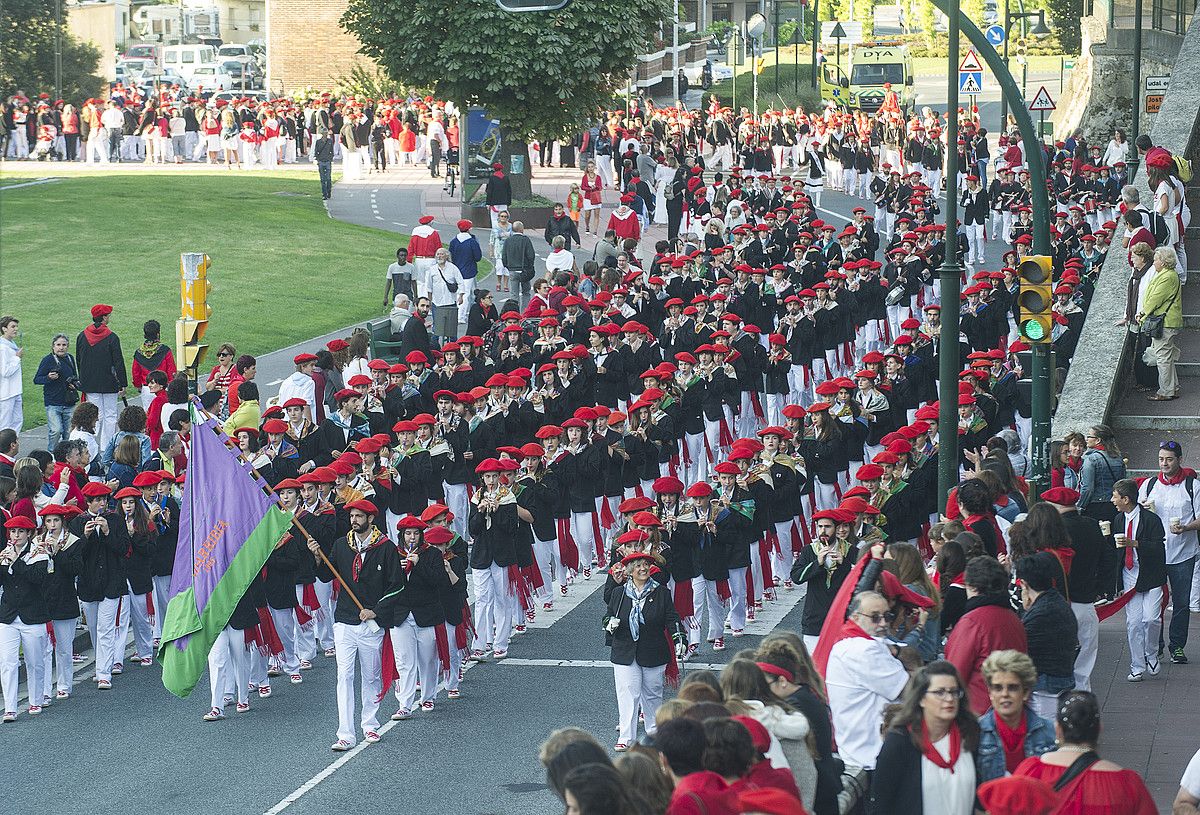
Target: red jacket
<point>988,625</point>
<point>703,793</point>
<point>626,227</point>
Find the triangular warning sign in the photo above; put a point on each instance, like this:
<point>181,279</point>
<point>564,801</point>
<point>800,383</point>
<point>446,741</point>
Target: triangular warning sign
<point>970,62</point>
<point>1042,101</point>
<point>970,85</point>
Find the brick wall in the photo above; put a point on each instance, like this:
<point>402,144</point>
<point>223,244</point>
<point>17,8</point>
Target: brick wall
<point>305,44</point>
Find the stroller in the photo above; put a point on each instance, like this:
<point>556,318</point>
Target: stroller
<point>44,147</point>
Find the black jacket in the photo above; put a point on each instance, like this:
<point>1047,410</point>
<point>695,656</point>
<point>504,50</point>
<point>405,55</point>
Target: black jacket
<point>1151,550</point>
<point>379,573</point>
<point>1052,633</point>
<point>424,589</point>
<point>1089,544</point>
<point>25,592</point>
<point>659,627</point>
<point>101,365</point>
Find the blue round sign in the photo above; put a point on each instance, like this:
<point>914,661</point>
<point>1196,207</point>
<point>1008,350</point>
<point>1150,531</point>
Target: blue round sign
<point>995,34</point>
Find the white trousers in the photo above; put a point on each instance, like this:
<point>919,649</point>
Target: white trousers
<point>637,688</point>
<point>61,650</point>
<point>1089,642</point>
<point>584,534</point>
<point>134,614</point>
<point>1143,624</point>
<point>12,413</point>
<point>495,607</point>
<point>107,404</point>
<point>546,555</point>
<point>358,650</point>
<point>974,234</point>
<point>781,561</point>
<point>456,499</point>
<point>285,626</point>
<point>102,627</point>
<point>13,637</point>
<point>324,625</point>
<point>737,601</point>
<point>228,667</point>
<point>415,649</point>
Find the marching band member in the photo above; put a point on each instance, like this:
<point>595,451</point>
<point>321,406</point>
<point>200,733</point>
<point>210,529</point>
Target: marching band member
<point>25,570</point>
<point>416,628</point>
<point>135,533</point>
<point>493,527</point>
<point>62,599</point>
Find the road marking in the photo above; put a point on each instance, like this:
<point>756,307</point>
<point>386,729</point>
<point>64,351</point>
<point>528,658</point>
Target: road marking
<point>274,382</point>
<point>36,183</point>
<point>594,663</point>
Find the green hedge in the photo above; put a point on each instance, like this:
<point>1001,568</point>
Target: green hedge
<point>788,75</point>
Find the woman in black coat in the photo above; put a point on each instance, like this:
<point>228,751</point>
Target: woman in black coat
<point>483,314</point>
<point>642,627</point>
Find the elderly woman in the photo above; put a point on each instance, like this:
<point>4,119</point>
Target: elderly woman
<point>1140,274</point>
<point>1163,300</point>
<point>1010,731</point>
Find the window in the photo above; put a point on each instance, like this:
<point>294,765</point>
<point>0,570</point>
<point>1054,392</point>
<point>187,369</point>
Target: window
<point>188,57</point>
<point>877,74</point>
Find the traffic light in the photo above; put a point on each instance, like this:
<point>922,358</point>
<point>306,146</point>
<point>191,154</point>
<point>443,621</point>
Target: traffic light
<point>194,310</point>
<point>1021,49</point>
<point>758,64</point>
<point>1036,273</point>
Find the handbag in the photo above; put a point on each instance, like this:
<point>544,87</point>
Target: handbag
<point>450,287</point>
<point>1154,324</point>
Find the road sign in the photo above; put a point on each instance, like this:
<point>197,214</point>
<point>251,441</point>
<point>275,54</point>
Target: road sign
<point>1042,100</point>
<point>1157,84</point>
<point>995,35</point>
<point>970,63</point>
<point>852,28</point>
<point>1154,102</point>
<point>970,83</point>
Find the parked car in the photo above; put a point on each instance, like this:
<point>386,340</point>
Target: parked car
<point>721,72</point>
<point>258,96</point>
<point>146,51</point>
<point>210,78</point>
<point>244,72</point>
<point>132,69</point>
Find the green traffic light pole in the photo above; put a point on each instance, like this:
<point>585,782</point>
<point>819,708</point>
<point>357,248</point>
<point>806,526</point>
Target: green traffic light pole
<point>948,372</point>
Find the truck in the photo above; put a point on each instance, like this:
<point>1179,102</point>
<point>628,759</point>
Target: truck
<point>873,63</point>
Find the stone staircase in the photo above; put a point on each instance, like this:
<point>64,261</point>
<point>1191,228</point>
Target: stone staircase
<point>1140,424</point>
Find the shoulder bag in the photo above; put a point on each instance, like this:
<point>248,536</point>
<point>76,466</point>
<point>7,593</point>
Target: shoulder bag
<point>1153,324</point>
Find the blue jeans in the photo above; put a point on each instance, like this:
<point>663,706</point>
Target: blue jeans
<point>1179,575</point>
<point>325,170</point>
<point>58,420</point>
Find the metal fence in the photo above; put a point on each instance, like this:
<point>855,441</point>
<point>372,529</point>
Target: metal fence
<point>1173,16</point>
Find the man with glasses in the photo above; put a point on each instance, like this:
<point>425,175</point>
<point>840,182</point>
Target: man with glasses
<point>1174,496</point>
<point>865,675</point>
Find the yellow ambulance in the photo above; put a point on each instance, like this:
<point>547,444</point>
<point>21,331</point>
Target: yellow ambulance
<point>873,63</point>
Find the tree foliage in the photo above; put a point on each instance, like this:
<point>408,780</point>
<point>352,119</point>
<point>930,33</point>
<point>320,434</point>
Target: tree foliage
<point>27,29</point>
<point>542,74</point>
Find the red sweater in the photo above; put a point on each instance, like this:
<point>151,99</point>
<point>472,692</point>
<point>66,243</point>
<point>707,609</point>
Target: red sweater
<point>988,625</point>
<point>625,226</point>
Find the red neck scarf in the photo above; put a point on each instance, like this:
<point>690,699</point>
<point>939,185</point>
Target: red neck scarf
<point>1013,740</point>
<point>94,333</point>
<point>1178,478</point>
<point>931,752</point>
<point>851,629</point>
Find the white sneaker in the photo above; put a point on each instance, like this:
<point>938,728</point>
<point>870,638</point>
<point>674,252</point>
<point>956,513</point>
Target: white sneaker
<point>1153,666</point>
<point>1138,677</point>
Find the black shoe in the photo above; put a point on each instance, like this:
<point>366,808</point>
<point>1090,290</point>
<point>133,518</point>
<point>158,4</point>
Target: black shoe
<point>1178,657</point>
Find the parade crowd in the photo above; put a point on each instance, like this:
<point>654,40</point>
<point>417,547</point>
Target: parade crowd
<point>746,409</point>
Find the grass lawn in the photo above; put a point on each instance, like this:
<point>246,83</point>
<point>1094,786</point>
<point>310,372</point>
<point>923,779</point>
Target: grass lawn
<point>283,270</point>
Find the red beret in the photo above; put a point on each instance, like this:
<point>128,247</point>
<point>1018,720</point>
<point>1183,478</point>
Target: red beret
<point>1063,496</point>
<point>99,310</point>
<point>701,489</point>
<point>364,506</point>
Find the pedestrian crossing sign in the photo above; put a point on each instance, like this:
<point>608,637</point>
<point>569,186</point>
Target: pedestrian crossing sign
<point>970,82</point>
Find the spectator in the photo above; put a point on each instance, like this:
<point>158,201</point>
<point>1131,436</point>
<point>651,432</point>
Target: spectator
<point>1163,303</point>
<point>465,253</point>
<point>1088,547</point>
<point>598,789</point>
<point>244,370</point>
<point>125,463</point>
<point>560,258</point>
<point>927,762</point>
<point>84,420</point>
<point>1010,731</point>
<point>445,285</point>
<point>101,369</point>
<point>59,378</point>
<point>1051,631</point>
<point>518,259</point>
<point>746,681</point>
<point>1144,572</point>
<point>1097,787</point>
<point>1187,800</point>
<point>863,677</point>
<point>681,745</point>
<point>414,336</point>
<point>156,384</point>
<point>565,750</point>
<point>400,314</point>
<point>220,375</point>
<point>988,624</point>
<point>247,413</point>
<point>131,423</point>
<point>401,278</point>
<point>11,411</point>
<point>951,564</point>
<point>1174,495</point>
<point>177,399</point>
<point>483,314</point>
<point>975,507</point>
<point>560,225</point>
<point>152,355</point>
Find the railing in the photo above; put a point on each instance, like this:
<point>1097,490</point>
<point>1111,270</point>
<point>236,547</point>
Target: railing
<point>1173,16</point>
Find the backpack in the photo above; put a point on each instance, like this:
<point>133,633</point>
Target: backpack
<point>1183,168</point>
<point>1158,227</point>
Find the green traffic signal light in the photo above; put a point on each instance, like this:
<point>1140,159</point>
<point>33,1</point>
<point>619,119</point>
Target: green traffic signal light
<point>1033,330</point>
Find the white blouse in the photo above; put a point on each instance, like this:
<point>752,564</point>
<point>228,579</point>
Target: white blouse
<point>944,792</point>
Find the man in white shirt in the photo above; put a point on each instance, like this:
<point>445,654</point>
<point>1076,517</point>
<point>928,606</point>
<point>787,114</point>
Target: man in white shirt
<point>300,384</point>
<point>862,678</point>
<point>113,120</point>
<point>11,412</point>
<point>1175,495</point>
<point>438,144</point>
<point>444,282</point>
<point>1187,800</point>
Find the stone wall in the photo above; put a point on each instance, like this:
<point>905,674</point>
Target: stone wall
<point>1098,93</point>
<point>1095,383</point>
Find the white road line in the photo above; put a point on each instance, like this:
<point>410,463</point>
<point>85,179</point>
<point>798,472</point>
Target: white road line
<point>274,382</point>
<point>341,761</point>
<point>577,592</point>
<point>594,663</point>
<point>37,183</point>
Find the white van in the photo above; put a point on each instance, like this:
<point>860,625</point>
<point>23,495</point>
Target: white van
<point>186,58</point>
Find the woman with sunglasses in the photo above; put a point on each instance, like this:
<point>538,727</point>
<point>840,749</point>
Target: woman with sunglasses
<point>221,375</point>
<point>927,762</point>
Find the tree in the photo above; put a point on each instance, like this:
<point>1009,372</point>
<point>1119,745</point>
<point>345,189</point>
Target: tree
<point>27,32</point>
<point>541,74</point>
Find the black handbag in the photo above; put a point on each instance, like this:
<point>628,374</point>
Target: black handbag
<point>1153,324</point>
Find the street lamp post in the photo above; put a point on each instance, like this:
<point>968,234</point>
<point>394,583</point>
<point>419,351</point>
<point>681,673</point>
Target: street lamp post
<point>777,47</point>
<point>816,40</point>
<point>756,26</point>
<point>1137,87</point>
<point>950,277</point>
<point>675,53</point>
